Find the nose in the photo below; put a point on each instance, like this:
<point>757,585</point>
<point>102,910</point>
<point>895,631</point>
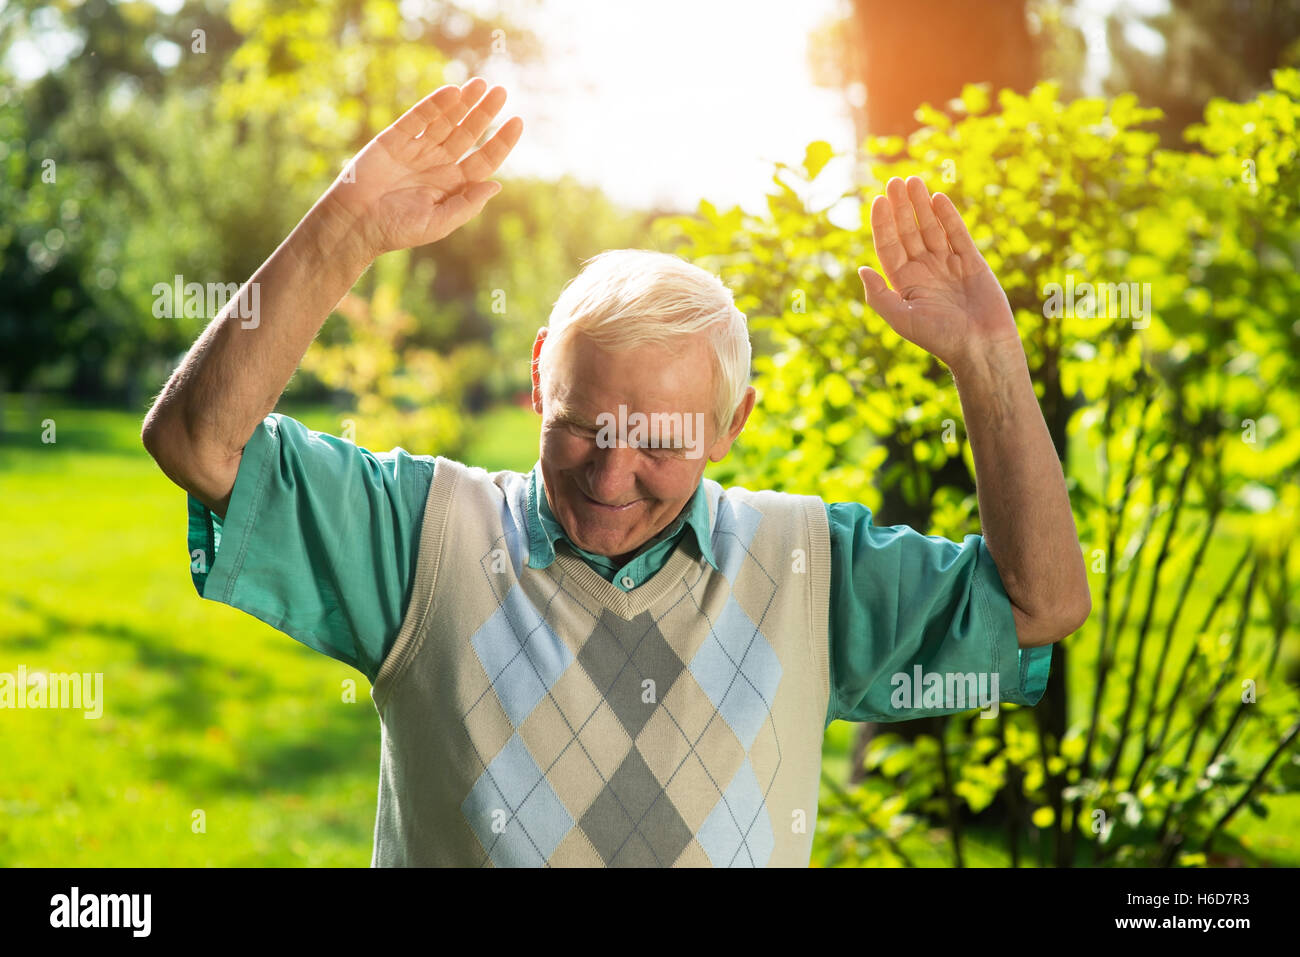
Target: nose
<point>611,475</point>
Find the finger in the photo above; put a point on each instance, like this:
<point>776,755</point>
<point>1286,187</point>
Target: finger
<point>467,132</point>
<point>444,124</point>
<point>881,298</point>
<point>413,121</point>
<point>884,234</point>
<point>485,160</point>
<point>472,89</point>
<point>936,240</point>
<point>959,237</point>
<point>904,217</point>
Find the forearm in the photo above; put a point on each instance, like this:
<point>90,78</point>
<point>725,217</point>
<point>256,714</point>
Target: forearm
<point>234,373</point>
<point>1025,513</point>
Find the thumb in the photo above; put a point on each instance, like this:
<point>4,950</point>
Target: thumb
<point>481,192</point>
<point>459,208</point>
<point>887,302</point>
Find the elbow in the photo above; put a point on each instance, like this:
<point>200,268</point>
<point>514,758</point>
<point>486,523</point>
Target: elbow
<point>158,437</point>
<point>1071,605</point>
<point>1074,615</point>
<point>1048,628</point>
<point>1078,614</point>
<point>1080,605</point>
<point>160,442</point>
<point>151,436</point>
<point>209,477</point>
<point>166,437</point>
<point>165,443</point>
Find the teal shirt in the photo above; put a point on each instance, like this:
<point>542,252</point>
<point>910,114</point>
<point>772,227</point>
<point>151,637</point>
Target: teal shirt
<point>321,537</point>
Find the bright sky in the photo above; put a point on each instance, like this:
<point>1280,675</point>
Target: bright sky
<point>672,100</point>
<point>665,102</point>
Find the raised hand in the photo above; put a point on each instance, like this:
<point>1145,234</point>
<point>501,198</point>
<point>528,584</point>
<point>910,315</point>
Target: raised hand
<point>409,186</point>
<point>945,297</point>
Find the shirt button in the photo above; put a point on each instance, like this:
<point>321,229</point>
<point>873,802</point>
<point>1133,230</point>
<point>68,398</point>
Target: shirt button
<point>628,582</point>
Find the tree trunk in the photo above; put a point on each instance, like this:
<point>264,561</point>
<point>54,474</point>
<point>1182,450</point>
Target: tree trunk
<point>926,50</point>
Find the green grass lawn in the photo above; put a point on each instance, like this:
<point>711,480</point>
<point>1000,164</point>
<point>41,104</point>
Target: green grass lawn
<point>210,716</point>
<point>223,742</point>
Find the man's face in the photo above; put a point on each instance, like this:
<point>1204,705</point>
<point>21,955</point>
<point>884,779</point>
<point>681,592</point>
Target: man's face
<point>612,498</point>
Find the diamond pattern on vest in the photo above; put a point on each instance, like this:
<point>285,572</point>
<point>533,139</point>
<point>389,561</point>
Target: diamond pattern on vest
<point>658,727</point>
<point>604,743</point>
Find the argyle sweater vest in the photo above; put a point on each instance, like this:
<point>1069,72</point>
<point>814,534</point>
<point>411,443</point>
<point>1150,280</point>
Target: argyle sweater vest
<point>535,717</point>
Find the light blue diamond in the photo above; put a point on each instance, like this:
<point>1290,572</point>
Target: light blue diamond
<point>522,656</point>
<point>738,831</point>
<point>739,672</point>
<point>514,795</point>
<point>516,537</point>
<point>732,532</point>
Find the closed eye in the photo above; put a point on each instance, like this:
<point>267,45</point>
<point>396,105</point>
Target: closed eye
<point>666,452</point>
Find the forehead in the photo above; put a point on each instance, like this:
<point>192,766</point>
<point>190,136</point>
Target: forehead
<point>583,377</point>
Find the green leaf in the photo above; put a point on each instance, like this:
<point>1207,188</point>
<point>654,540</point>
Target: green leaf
<point>838,391</point>
<point>816,156</point>
<point>927,115</point>
<point>1289,774</point>
<point>975,98</point>
<point>1287,81</point>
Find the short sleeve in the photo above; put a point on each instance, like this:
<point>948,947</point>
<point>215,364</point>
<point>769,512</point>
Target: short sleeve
<point>920,625</point>
<point>320,540</point>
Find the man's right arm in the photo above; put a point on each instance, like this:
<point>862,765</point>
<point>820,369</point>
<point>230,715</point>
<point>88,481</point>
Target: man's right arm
<point>409,187</point>
<point>232,376</point>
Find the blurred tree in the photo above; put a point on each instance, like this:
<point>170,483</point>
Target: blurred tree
<point>332,73</point>
<point>151,145</point>
<point>1208,48</point>
<point>45,312</point>
<point>890,57</point>
<point>105,47</point>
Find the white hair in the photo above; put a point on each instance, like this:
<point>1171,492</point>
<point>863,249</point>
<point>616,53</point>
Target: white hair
<point>625,297</point>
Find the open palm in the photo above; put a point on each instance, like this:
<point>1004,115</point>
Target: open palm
<point>409,185</point>
<point>945,297</point>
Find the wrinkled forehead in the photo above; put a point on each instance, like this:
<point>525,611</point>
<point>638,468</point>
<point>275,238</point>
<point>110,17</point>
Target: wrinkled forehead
<point>667,377</point>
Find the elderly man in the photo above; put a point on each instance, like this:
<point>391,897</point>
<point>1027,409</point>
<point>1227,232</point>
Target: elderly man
<point>612,660</point>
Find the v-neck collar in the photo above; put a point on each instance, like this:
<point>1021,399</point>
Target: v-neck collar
<point>626,604</point>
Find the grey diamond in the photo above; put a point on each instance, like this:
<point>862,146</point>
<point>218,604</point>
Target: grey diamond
<point>664,830</point>
<point>637,853</point>
<point>632,822</point>
<point>619,656</point>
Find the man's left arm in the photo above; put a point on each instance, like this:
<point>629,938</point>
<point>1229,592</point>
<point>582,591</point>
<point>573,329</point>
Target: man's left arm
<point>1025,514</point>
<point>946,300</point>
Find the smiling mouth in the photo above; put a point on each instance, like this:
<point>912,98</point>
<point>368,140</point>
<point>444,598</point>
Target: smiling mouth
<point>608,508</point>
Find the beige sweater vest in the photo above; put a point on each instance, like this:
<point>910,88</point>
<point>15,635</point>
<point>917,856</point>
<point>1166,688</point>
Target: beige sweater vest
<point>535,717</point>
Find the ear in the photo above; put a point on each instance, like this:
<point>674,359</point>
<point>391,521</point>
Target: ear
<point>537,378</point>
<point>723,445</point>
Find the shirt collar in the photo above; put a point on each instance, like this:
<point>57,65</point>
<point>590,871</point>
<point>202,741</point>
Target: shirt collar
<point>545,530</point>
